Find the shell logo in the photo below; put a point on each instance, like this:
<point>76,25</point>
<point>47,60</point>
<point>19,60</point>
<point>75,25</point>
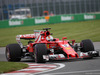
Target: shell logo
<point>68,48</point>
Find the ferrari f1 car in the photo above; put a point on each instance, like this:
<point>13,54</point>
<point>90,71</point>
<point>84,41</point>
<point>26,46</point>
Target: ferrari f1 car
<point>46,48</point>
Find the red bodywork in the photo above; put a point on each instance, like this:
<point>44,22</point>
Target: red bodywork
<point>56,44</point>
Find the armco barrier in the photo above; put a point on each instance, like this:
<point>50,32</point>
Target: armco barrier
<point>52,19</point>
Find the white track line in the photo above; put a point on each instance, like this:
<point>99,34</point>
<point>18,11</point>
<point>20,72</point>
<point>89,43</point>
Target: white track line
<point>60,66</point>
<point>43,66</point>
<point>73,72</point>
<point>15,74</point>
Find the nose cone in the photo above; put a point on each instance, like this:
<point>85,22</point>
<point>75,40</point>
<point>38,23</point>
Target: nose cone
<point>73,56</point>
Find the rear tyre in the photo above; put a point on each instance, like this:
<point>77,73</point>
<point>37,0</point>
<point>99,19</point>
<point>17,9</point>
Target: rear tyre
<point>13,52</point>
<point>86,46</point>
<point>40,50</point>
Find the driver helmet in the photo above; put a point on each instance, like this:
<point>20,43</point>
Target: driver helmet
<point>49,37</point>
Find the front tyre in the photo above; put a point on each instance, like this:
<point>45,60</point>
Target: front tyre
<point>86,46</point>
<point>40,50</point>
<point>13,52</point>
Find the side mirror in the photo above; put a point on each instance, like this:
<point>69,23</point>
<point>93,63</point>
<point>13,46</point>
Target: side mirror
<point>64,38</point>
<point>73,41</point>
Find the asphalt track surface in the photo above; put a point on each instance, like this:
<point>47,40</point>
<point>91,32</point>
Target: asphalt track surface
<point>72,67</point>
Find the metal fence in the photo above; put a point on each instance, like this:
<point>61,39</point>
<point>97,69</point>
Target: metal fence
<point>57,7</point>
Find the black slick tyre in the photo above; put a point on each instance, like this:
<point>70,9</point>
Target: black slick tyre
<point>40,50</point>
<point>13,52</point>
<point>86,46</point>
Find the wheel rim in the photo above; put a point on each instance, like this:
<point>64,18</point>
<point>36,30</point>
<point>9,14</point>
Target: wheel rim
<point>7,54</point>
<point>35,56</point>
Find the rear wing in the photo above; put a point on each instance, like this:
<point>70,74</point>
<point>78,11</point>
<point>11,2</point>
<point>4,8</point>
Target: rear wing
<point>37,33</point>
<point>26,36</point>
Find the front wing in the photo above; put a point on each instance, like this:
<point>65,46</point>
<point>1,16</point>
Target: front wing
<point>89,54</point>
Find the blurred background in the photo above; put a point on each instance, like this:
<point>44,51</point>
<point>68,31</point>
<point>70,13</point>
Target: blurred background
<point>36,8</point>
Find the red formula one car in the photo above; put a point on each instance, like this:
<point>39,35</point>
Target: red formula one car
<point>47,48</point>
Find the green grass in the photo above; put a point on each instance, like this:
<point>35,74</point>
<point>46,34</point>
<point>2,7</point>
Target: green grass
<point>11,66</point>
<point>73,30</point>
